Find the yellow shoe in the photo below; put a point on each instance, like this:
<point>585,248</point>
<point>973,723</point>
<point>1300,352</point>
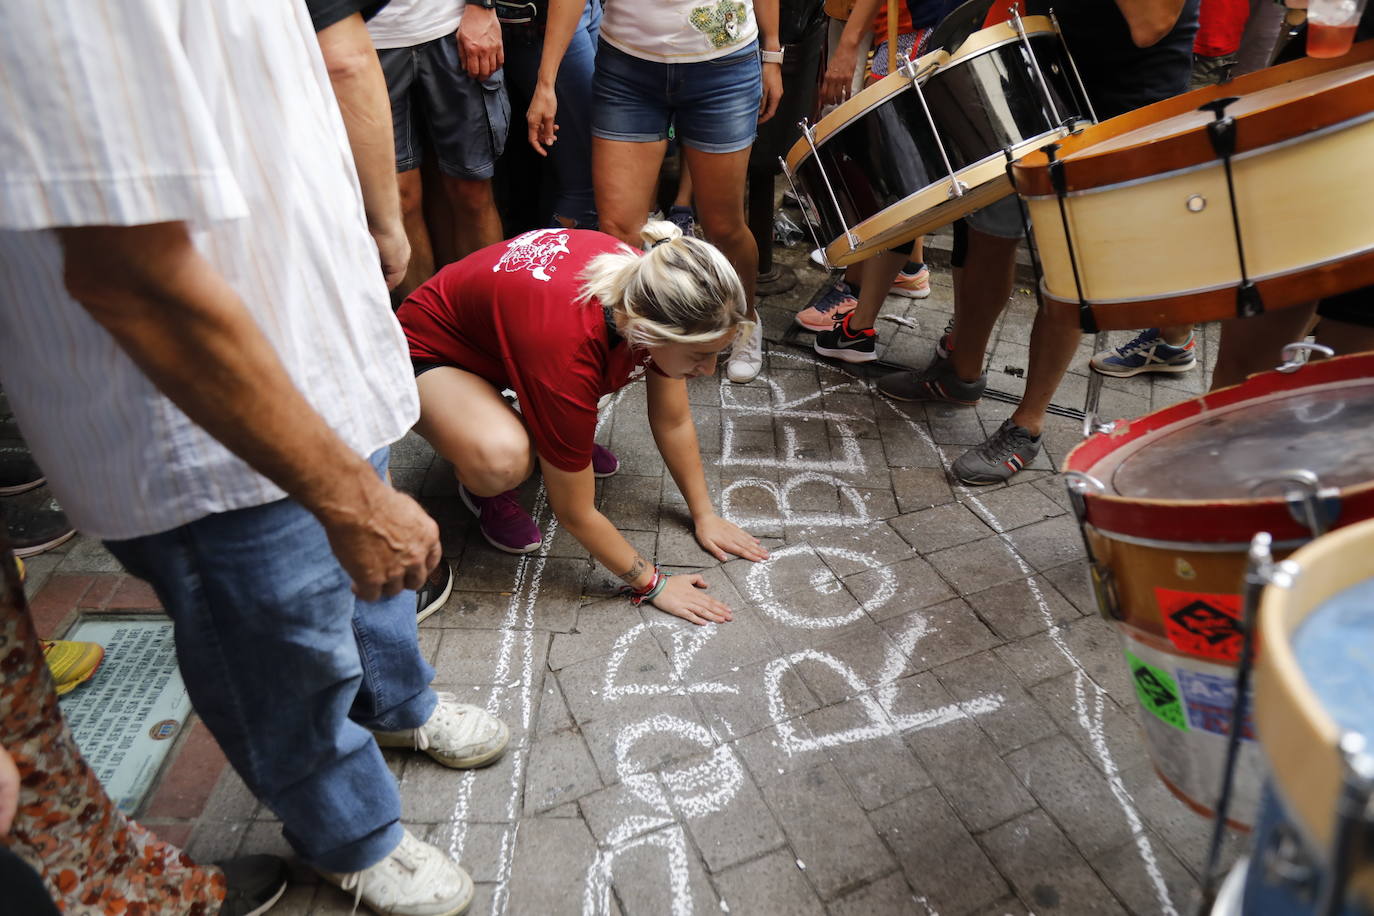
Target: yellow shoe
<point>71,663</point>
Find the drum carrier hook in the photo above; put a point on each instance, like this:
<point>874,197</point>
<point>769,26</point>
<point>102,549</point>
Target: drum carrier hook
<point>1290,353</point>
<point>908,69</point>
<point>1079,484</point>
<point>1222,133</point>
<point>1312,505</point>
<point>809,134</point>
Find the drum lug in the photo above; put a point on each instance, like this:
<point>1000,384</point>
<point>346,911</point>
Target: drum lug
<point>956,189</point>
<point>1092,426</point>
<point>1313,506</point>
<point>810,136</point>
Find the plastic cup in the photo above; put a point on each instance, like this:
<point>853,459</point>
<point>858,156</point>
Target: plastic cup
<point>1331,26</point>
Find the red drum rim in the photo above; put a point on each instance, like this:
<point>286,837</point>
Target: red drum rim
<point>1219,521</point>
<point>1290,118</point>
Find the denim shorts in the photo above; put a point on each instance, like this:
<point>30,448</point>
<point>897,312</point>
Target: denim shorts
<point>713,105</point>
<point>433,96</point>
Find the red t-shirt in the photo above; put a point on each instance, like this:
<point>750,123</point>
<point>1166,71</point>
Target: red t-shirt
<point>507,314</point>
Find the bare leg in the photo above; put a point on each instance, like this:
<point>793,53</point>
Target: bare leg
<point>625,175</point>
<point>1176,335</point>
<point>1052,347</point>
<point>1250,345</point>
<point>718,188</point>
<point>981,291</point>
<point>476,222</point>
<point>875,278</point>
<point>684,186</point>
<point>421,266</point>
<point>468,422</point>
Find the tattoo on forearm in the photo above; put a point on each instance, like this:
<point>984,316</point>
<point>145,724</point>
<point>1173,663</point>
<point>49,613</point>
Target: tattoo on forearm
<point>636,570</point>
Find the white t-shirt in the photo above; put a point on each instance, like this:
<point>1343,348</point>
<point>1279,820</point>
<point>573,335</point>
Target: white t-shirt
<point>406,23</point>
<point>220,115</point>
<point>679,31</point>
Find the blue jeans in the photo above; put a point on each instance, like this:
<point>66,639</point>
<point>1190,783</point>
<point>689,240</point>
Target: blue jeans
<point>571,156</point>
<point>290,670</point>
<point>712,105</point>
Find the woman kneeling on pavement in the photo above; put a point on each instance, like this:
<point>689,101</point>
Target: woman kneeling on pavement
<point>563,317</point>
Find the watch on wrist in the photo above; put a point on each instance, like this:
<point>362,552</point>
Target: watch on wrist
<point>771,57</point>
<point>485,4</point>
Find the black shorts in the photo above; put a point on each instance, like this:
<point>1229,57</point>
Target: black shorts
<point>420,366</point>
<point>431,95</point>
<point>1355,307</point>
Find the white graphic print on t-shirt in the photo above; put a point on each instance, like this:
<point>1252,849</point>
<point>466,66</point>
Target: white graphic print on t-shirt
<point>534,251</point>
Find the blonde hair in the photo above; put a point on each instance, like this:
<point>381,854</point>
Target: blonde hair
<point>681,290</point>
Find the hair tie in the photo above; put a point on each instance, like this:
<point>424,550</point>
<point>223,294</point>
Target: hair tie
<point>661,241</point>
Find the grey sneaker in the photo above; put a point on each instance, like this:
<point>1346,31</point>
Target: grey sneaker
<point>457,735</point>
<point>937,382</point>
<point>1007,451</point>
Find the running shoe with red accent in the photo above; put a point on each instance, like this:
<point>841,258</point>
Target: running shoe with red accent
<point>837,301</point>
<point>851,346</point>
<point>503,521</point>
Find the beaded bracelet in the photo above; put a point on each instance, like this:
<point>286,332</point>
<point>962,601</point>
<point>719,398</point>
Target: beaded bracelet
<point>649,592</point>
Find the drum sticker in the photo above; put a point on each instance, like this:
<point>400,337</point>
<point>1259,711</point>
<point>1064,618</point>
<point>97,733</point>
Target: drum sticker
<point>1209,699</point>
<point>1157,692</point>
<point>1206,625</point>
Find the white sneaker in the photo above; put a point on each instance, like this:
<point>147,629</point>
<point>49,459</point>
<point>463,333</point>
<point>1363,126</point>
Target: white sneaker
<point>746,360</point>
<point>457,735</point>
<point>415,879</point>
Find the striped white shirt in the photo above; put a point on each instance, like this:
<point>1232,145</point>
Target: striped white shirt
<point>130,112</point>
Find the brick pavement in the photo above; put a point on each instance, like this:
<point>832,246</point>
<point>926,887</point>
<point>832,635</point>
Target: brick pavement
<point>916,709</point>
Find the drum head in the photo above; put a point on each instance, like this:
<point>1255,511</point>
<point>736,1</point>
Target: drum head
<point>1334,647</point>
<point>954,29</point>
<point>1224,454</point>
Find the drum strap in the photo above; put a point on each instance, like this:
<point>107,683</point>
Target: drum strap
<point>1222,133</point>
<point>1086,320</point>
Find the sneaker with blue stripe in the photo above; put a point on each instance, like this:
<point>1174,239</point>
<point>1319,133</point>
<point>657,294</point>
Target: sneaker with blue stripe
<point>1148,351</point>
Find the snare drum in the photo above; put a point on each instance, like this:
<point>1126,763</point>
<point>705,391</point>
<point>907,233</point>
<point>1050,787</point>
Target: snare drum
<point>1314,683</point>
<point>1168,504</point>
<point>1135,223</point>
<point>929,144</point>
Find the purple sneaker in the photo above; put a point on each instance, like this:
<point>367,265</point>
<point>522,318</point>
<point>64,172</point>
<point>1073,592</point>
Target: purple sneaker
<point>504,523</point>
<point>604,461</point>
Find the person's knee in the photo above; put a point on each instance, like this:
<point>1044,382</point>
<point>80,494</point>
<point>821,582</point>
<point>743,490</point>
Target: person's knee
<point>498,464</point>
<point>471,197</point>
<point>412,194</point>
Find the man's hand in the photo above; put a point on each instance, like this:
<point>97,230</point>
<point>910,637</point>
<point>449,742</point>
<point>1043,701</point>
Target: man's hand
<point>385,542</point>
<point>839,74</point>
<point>479,42</point>
<point>9,791</point>
<point>394,250</point>
<point>772,91</point>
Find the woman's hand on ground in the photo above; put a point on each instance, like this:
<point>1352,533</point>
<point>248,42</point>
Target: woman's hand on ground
<point>720,539</point>
<point>685,596</point>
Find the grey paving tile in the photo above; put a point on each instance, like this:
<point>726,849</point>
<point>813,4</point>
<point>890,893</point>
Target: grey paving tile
<point>852,664</point>
<point>1022,607</point>
<point>888,896</point>
<point>482,846</point>
<point>949,525</point>
<point>940,634</point>
<point>1127,871</point>
<point>648,735</point>
<point>677,545</point>
<point>469,656</point>
<point>1097,645</point>
<point>772,753</point>
<point>1049,543</point>
<point>879,501</point>
<point>599,625</point>
<point>630,502</point>
<point>1045,869</point>
<point>978,565</point>
<point>1017,506</point>
<point>1093,720</point>
<point>661,873</point>
<point>769,884</point>
<point>1034,658</point>
<point>921,488</point>
<point>894,590</point>
<point>813,807</point>
<point>903,444</point>
<point>964,764</point>
<point>1073,582</point>
<point>857,550</point>
<point>754,697</point>
<point>628,809</point>
<point>940,859</point>
<point>1016,720</point>
<point>1185,832</point>
<point>723,810</point>
<point>601,687</point>
<point>551,856</point>
<point>865,747</point>
<point>1073,792</point>
<point>560,770</point>
<point>477,610</point>
<point>954,426</point>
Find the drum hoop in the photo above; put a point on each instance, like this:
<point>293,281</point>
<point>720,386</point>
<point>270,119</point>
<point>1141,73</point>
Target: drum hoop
<point>1195,546</point>
<point>1043,25</point>
<point>1031,174</point>
<point>1211,163</point>
<point>1204,290</point>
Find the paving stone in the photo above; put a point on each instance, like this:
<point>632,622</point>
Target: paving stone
<point>920,488</point>
<point>1022,607</point>
<point>1045,869</point>
<point>879,501</point>
<point>852,664</point>
<point>470,656</point>
<point>1111,727</point>
<point>894,590</point>
<point>677,545</point>
<point>785,571</point>
<point>1017,720</point>
<point>1124,871</point>
<point>940,634</point>
<point>1073,792</point>
<point>482,848</point>
<point>647,736</point>
<point>599,625</point>
<point>431,793</point>
<point>949,525</point>
<point>854,551</point>
<point>660,873</point>
<point>601,583</point>
<point>734,708</point>
<point>466,610</point>
<point>978,565</point>
<point>888,896</point>
<point>903,446</point>
<point>814,807</point>
<point>866,748</point>
<point>595,691</point>
<point>636,806</point>
<point>954,426</point>
<point>1097,646</point>
<point>723,810</point>
<point>807,621</point>
<point>964,764</point>
<point>483,568</point>
<point>630,502</point>
<point>1050,543</point>
<point>1035,658</point>
<point>560,770</point>
<point>940,859</point>
<point>1186,833</point>
<point>1017,506</point>
<point>550,859</point>
<point>1074,583</point>
<point>769,884</point>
